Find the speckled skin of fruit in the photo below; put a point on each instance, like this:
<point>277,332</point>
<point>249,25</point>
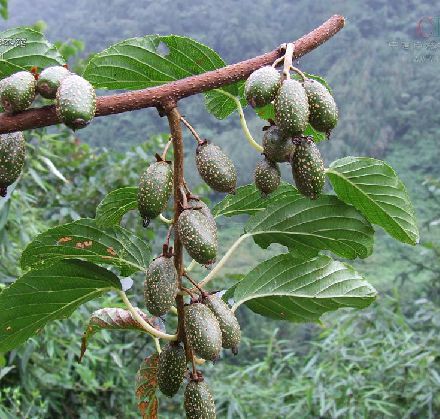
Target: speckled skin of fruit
<point>276,147</point>
<point>160,286</point>
<point>262,85</point>
<point>203,331</point>
<point>308,168</point>
<point>155,187</point>
<point>171,369</point>
<point>49,81</point>
<point>18,92</point>
<point>199,403</point>
<point>75,102</point>
<point>227,321</point>
<point>198,235</point>
<point>216,168</point>
<point>323,110</point>
<point>291,108</point>
<point>267,176</point>
<point>204,209</point>
<point>12,154</point>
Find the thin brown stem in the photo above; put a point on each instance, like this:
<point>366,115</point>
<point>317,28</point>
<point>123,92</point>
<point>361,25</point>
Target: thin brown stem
<point>185,274</point>
<point>191,129</point>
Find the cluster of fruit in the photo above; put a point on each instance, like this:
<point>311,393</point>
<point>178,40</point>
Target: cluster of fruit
<point>296,104</point>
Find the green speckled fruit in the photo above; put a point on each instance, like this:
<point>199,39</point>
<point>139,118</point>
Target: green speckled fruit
<point>308,168</point>
<point>18,92</point>
<point>204,209</point>
<point>276,147</point>
<point>262,85</point>
<point>203,331</point>
<point>199,403</point>
<point>155,187</point>
<point>50,79</point>
<point>267,176</point>
<point>171,369</point>
<point>227,321</point>
<point>216,168</point>
<point>323,110</point>
<point>160,286</point>
<point>198,235</point>
<point>75,102</point>
<point>12,154</point>
<point>291,108</point>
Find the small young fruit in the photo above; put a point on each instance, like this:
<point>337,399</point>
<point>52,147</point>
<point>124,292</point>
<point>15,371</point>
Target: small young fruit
<point>171,369</point>
<point>203,331</point>
<point>12,154</point>
<point>227,321</point>
<point>198,235</point>
<point>276,147</point>
<point>199,205</point>
<point>18,92</point>
<point>155,187</point>
<point>323,110</point>
<point>267,176</point>
<point>75,102</point>
<point>216,168</point>
<point>262,85</point>
<point>49,81</point>
<point>291,108</point>
<point>160,286</point>
<point>199,403</point>
<point>308,168</point>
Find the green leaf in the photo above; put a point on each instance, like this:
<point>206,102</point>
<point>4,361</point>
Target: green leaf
<point>308,226</point>
<point>115,205</point>
<point>83,239</point>
<point>22,48</point>
<point>146,387</point>
<point>288,288</point>
<point>317,135</point>
<point>266,112</point>
<point>219,101</point>
<point>374,188</point>
<point>4,9</point>
<point>320,79</point>
<point>51,293</point>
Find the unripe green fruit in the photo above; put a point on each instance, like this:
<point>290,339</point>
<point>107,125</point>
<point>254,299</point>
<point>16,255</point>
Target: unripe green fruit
<point>276,147</point>
<point>199,403</point>
<point>50,79</point>
<point>160,286</point>
<point>18,92</point>
<point>308,168</point>
<point>75,102</point>
<point>12,154</point>
<point>291,108</point>
<point>171,369</point>
<point>204,209</point>
<point>262,85</point>
<point>227,321</point>
<point>198,235</point>
<point>155,187</point>
<point>323,110</point>
<point>203,331</point>
<point>216,168</point>
<point>267,176</point>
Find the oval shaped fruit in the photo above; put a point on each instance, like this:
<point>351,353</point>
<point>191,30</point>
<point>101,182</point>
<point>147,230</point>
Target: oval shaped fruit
<point>204,209</point>
<point>262,85</point>
<point>75,102</point>
<point>227,321</point>
<point>308,168</point>
<point>50,79</point>
<point>291,108</point>
<point>171,369</point>
<point>203,331</point>
<point>267,176</point>
<point>323,110</point>
<point>155,187</point>
<point>199,403</point>
<point>216,168</point>
<point>198,236</point>
<point>276,147</point>
<point>18,92</point>
<point>160,286</point>
<point>12,154</point>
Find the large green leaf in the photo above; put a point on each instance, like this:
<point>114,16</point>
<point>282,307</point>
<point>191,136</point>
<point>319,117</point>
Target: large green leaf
<point>373,187</point>
<point>114,205</point>
<point>297,290</point>
<point>83,239</point>
<point>22,48</point>
<point>51,293</point>
<point>307,226</point>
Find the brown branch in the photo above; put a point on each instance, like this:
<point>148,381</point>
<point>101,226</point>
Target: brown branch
<point>172,92</point>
